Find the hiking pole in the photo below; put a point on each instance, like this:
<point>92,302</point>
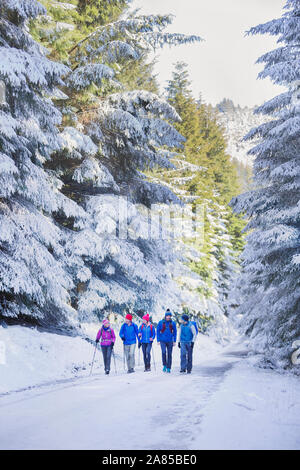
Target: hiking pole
<point>114,361</point>
<point>101,357</point>
<point>139,356</point>
<point>124,357</point>
<point>153,358</point>
<point>93,359</point>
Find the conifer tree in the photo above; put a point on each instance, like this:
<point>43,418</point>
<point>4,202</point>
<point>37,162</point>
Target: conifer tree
<point>271,260</point>
<point>34,283</point>
<point>110,136</point>
<point>206,177</point>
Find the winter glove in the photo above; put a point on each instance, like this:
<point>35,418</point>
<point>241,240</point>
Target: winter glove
<point>123,338</point>
<point>97,341</point>
<point>179,345</point>
<point>112,345</point>
<point>192,344</point>
<point>139,345</point>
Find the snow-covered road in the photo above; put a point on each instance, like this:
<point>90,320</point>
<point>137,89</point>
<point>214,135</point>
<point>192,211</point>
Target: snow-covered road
<point>225,403</point>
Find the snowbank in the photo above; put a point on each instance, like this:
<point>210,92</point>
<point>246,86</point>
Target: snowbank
<point>31,357</point>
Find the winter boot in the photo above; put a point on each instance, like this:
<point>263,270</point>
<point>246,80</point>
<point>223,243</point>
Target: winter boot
<point>189,371</point>
<point>107,372</point>
<point>169,371</point>
<point>165,369</point>
<point>183,371</point>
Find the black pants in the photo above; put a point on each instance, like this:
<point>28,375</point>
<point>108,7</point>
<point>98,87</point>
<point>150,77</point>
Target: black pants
<point>147,354</point>
<point>106,352</point>
<point>166,352</point>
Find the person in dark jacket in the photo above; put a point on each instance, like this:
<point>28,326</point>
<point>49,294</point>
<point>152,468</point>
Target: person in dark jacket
<point>187,338</point>
<point>166,336</point>
<point>129,334</point>
<point>147,336</point>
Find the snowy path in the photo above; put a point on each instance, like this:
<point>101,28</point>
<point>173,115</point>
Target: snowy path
<point>212,408</point>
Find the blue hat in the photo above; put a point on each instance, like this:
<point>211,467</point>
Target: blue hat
<point>168,312</point>
<point>185,317</point>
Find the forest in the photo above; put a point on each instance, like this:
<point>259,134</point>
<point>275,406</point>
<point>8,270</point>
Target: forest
<point>91,150</point>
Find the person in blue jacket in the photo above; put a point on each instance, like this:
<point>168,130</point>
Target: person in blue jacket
<point>187,338</point>
<point>166,336</point>
<point>147,336</point>
<point>129,334</point>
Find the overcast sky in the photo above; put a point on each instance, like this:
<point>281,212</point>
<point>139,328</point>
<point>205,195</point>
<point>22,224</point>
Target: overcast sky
<point>223,65</point>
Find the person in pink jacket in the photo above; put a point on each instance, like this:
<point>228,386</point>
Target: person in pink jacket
<point>107,336</point>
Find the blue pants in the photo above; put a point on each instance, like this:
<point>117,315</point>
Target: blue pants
<point>186,356</point>
<point>147,354</point>
<point>166,350</point>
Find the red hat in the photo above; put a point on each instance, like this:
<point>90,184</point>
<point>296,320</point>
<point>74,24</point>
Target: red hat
<point>128,317</point>
<point>146,317</point>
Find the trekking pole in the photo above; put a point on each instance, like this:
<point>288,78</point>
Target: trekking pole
<point>124,357</point>
<point>93,360</point>
<point>114,361</point>
<point>139,356</point>
<point>153,358</point>
<point>101,357</point>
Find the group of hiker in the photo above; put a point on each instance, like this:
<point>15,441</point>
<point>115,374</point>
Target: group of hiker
<point>165,333</point>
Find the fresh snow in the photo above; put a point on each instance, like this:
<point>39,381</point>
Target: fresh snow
<point>253,409</point>
<point>33,358</point>
<point>227,402</point>
<point>237,121</point>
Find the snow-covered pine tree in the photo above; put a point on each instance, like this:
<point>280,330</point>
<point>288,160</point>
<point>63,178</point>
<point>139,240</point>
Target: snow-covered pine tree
<point>205,180</point>
<point>118,136</point>
<point>271,261</point>
<point>33,282</point>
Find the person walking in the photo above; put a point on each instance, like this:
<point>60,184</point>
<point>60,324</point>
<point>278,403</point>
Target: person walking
<point>146,336</point>
<point>108,338</point>
<point>129,334</point>
<point>187,338</point>
<point>166,336</point>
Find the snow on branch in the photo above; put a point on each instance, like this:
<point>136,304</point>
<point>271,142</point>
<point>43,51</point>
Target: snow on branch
<point>84,76</point>
<point>24,9</point>
<point>20,69</point>
<point>139,101</point>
